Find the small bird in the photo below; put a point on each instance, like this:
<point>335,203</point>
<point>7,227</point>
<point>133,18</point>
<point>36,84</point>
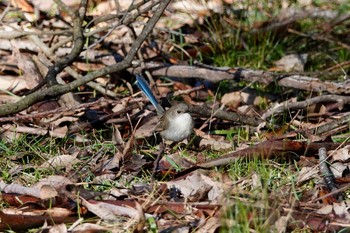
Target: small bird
<point>176,123</point>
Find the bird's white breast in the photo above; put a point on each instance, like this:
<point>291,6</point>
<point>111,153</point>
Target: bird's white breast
<point>180,127</point>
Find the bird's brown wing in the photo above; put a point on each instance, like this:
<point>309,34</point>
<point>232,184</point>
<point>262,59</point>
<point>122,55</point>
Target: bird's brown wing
<point>163,122</point>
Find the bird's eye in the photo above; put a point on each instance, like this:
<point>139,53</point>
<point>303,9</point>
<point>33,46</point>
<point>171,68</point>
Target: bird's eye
<point>178,111</point>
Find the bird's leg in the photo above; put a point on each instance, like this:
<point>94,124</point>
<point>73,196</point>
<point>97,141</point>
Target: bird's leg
<point>159,156</point>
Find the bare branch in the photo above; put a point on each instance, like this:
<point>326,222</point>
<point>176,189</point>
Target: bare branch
<point>215,74</point>
<point>57,90</point>
<point>281,108</point>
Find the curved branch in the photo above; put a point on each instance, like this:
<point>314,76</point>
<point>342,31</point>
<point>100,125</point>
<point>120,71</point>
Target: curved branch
<point>58,89</point>
<point>215,74</point>
<point>78,39</point>
<point>287,106</point>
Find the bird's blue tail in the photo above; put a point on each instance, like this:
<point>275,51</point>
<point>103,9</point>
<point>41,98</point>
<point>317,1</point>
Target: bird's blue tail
<point>144,87</point>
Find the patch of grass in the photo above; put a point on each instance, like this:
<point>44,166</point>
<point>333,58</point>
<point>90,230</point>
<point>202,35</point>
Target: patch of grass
<point>24,153</point>
<point>235,45</point>
<point>257,54</point>
<point>244,217</point>
<point>251,204</point>
<point>236,135</point>
<point>29,152</point>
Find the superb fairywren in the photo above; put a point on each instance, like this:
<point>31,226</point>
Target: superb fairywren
<point>175,123</point>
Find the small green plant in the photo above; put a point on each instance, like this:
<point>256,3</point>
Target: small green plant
<point>256,181</point>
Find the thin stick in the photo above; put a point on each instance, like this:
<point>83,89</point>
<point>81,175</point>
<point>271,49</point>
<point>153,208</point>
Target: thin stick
<point>156,162</point>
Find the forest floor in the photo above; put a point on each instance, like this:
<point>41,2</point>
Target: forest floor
<point>265,82</point>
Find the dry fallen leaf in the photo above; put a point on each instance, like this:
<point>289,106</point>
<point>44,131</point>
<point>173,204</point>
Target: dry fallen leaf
<point>281,224</point>
<point>292,62</point>
<point>215,144</point>
<point>47,191</point>
<point>342,209</point>
<point>88,227</point>
<point>307,173</point>
<point>247,97</point>
<point>110,212</point>
<point>13,84</point>
<point>211,225</point>
<point>31,74</point>
<point>198,186</point>
<point>232,100</point>
<point>57,182</point>
<point>66,161</point>
<point>57,228</point>
<point>147,126</point>
<point>338,168</point>
<point>341,154</point>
